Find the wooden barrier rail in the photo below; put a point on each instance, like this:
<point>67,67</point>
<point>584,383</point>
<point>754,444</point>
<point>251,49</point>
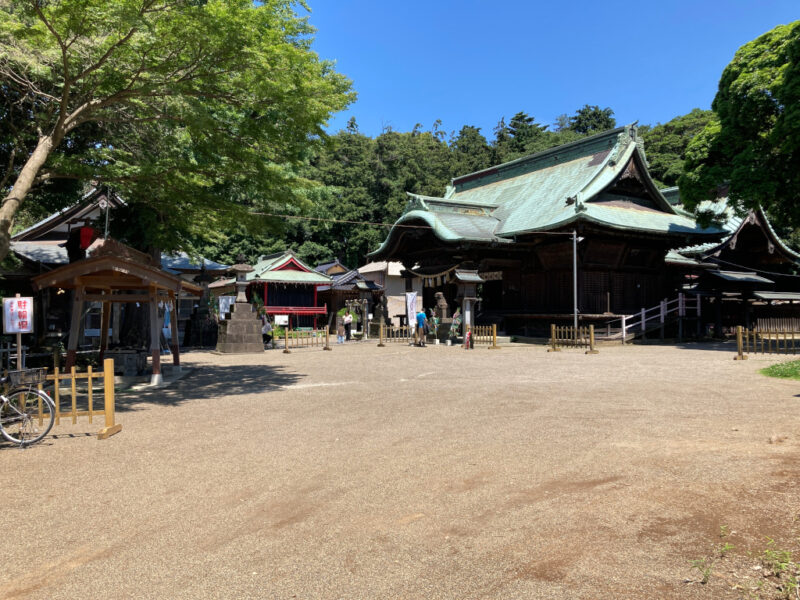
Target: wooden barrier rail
<point>484,334</point>
<point>779,340</point>
<point>569,336</point>
<point>301,338</point>
<point>397,333</point>
<point>72,412</point>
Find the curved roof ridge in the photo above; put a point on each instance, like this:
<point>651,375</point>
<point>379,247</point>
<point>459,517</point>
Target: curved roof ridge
<point>537,156</point>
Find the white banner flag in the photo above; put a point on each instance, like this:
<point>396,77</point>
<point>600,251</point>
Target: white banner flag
<point>411,310</point>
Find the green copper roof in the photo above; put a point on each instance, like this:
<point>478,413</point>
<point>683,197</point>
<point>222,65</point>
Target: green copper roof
<point>550,190</point>
<point>268,268</point>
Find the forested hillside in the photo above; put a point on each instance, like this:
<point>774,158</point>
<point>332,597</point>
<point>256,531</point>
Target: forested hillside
<point>365,180</point>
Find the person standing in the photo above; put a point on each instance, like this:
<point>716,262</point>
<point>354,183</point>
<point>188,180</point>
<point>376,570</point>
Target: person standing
<point>266,329</point>
<point>422,326</point>
<point>348,323</point>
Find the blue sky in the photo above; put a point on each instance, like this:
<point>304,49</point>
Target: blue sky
<point>470,62</point>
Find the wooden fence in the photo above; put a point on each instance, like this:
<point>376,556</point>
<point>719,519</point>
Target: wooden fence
<point>395,333</point>
<point>67,401</point>
<point>484,334</point>
<point>570,337</point>
<point>767,340</point>
<point>302,338</point>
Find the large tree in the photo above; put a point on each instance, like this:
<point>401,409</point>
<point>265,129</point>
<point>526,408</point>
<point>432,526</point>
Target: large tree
<point>592,119</point>
<point>196,110</point>
<point>751,150</point>
<point>666,144</point>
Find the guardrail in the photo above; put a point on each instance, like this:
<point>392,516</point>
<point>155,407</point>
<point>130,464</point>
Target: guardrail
<point>638,322</point>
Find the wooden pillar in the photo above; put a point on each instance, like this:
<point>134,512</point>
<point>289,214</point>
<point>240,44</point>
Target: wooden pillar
<point>105,321</point>
<point>155,339</point>
<point>75,326</point>
<point>116,321</point>
<point>175,347</point>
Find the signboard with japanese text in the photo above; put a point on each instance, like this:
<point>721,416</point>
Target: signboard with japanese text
<point>281,319</point>
<point>17,315</point>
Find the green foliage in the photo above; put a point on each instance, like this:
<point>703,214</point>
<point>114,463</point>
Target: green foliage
<point>703,566</point>
<point>753,147</point>
<point>665,144</point>
<point>786,370</point>
<point>198,112</point>
<point>592,119</point>
<point>776,559</point>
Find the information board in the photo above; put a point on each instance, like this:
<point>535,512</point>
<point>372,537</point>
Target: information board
<point>17,315</point>
<point>281,319</point>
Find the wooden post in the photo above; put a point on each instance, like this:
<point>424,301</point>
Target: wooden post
<point>108,401</point>
<point>739,347</point>
<point>553,346</point>
<point>155,339</point>
<point>662,316</point>
<point>592,349</point>
<point>175,346</point>
<point>90,391</point>
<point>57,396</point>
<point>327,338</point>
<point>380,335</point>
<point>19,348</point>
<point>286,340</point>
<point>624,328</point>
<point>105,321</point>
<point>74,327</point>
<point>643,325</point>
<point>74,397</point>
<point>494,345</point>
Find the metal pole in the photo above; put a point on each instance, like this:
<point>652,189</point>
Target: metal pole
<point>575,279</point>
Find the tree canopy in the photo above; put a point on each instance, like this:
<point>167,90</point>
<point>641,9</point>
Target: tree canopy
<point>665,144</point>
<point>197,112</point>
<point>751,149</point>
<point>592,119</point>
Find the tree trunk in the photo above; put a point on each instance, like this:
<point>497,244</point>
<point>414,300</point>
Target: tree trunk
<point>22,186</point>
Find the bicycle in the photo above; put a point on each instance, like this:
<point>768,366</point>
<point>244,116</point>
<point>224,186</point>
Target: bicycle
<point>26,414</point>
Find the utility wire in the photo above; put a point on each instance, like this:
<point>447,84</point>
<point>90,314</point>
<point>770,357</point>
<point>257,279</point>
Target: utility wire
<point>754,269</point>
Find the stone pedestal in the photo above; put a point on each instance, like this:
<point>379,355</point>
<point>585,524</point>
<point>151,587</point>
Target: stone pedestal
<point>240,332</point>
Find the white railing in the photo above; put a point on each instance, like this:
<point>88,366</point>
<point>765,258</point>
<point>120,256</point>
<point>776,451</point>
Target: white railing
<point>658,314</point>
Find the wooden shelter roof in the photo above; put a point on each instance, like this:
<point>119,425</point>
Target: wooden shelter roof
<point>110,273</point>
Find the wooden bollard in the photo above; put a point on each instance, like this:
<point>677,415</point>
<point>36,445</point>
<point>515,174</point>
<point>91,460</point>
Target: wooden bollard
<point>327,339</point>
<point>494,345</point>
<point>380,336</point>
<point>739,346</point>
<point>553,346</point>
<point>592,349</point>
<point>109,403</point>
<point>286,341</point>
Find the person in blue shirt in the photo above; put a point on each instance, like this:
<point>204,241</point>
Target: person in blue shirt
<point>422,326</point>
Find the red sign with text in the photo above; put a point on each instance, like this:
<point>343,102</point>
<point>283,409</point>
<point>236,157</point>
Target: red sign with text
<point>17,315</point>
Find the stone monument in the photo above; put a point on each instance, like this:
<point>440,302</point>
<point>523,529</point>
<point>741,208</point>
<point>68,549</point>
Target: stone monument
<point>240,332</point>
<point>445,322</point>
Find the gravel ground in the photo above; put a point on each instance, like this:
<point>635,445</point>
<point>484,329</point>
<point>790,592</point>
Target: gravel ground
<point>404,472</point>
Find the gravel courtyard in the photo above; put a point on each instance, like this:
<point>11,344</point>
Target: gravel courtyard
<point>404,472</point>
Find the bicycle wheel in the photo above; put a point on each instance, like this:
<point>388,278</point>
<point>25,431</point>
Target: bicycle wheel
<point>26,417</point>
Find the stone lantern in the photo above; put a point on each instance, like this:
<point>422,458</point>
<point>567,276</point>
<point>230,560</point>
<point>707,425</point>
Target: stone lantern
<point>240,332</point>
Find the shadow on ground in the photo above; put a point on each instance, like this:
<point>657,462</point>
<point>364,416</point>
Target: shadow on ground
<point>727,346</point>
<point>210,381</point>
